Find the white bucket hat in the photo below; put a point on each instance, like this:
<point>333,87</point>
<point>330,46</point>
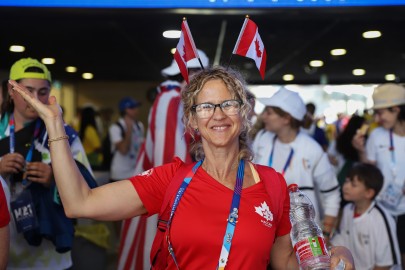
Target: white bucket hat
<point>288,101</point>
<point>173,69</point>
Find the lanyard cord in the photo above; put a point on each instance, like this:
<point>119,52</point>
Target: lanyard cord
<point>28,157</point>
<point>392,152</point>
<point>287,163</point>
<point>392,148</point>
<point>232,219</point>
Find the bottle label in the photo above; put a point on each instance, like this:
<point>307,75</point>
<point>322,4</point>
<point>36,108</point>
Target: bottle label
<point>310,247</point>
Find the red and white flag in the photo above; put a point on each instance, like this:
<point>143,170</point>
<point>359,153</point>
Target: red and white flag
<point>250,44</point>
<point>165,139</point>
<point>185,50</point>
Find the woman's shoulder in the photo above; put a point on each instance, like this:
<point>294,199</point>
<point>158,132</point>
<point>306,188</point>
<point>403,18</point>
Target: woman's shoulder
<point>169,168</point>
<point>264,172</point>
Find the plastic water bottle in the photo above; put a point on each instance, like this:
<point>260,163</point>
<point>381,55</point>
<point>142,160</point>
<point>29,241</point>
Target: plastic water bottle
<point>306,236</point>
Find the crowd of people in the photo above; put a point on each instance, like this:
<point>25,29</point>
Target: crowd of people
<point>221,174</point>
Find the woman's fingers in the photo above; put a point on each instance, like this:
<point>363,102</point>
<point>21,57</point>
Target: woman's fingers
<point>45,111</point>
<point>27,95</point>
<point>342,257</point>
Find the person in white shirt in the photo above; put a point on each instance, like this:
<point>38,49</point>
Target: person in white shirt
<point>366,228</point>
<point>296,155</point>
<point>126,139</point>
<point>385,148</point>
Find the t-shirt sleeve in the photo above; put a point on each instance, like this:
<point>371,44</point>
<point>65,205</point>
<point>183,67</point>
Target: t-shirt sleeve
<point>284,225</point>
<point>115,134</point>
<point>4,213</point>
<point>151,185</point>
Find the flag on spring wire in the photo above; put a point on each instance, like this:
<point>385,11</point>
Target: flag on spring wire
<point>250,44</point>
<point>185,50</point>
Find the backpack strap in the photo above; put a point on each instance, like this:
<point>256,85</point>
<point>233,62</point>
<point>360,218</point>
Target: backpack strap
<point>121,128</point>
<point>122,135</point>
<point>159,253</point>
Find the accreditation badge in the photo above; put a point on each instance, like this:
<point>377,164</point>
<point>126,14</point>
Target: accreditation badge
<point>23,212</point>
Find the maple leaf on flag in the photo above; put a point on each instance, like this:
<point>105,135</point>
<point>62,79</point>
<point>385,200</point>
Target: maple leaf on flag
<point>185,50</point>
<point>258,51</point>
<point>250,44</point>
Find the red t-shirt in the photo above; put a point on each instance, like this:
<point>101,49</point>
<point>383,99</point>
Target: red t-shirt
<point>200,220</point>
<point>4,214</point>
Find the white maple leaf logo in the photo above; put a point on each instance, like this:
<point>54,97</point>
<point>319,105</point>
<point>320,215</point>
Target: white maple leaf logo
<point>146,173</point>
<point>264,211</point>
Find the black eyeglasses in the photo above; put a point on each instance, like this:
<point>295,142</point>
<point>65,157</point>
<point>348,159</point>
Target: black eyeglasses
<point>206,110</point>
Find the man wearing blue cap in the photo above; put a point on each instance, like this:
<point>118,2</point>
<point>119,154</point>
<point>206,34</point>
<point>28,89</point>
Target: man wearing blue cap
<point>126,137</point>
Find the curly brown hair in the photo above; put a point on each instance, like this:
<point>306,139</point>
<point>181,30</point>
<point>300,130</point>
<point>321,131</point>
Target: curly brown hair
<point>236,85</point>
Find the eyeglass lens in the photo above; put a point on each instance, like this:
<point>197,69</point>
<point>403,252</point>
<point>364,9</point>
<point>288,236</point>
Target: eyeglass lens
<point>206,110</point>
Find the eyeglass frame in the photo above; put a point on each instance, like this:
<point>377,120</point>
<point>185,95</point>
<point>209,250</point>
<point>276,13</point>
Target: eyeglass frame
<point>194,107</point>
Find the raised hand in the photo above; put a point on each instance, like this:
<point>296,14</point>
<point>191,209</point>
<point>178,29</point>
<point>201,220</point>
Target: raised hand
<point>48,111</point>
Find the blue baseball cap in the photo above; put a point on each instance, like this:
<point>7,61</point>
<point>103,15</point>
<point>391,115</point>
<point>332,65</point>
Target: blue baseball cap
<point>128,103</point>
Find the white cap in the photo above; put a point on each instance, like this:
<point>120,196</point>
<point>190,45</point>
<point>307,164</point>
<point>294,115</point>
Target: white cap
<point>288,101</point>
<point>173,69</point>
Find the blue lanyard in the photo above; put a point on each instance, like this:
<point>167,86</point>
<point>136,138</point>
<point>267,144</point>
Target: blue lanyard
<point>287,163</point>
<point>28,157</point>
<point>232,219</point>
<point>392,148</point>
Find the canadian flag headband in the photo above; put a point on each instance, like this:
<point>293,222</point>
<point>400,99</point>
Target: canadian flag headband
<point>249,44</point>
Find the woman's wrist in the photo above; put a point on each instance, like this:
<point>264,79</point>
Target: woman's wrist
<point>55,128</point>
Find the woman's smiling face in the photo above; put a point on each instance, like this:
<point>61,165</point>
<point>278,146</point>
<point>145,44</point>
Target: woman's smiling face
<point>219,130</point>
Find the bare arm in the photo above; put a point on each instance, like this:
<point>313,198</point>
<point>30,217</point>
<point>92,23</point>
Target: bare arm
<point>109,202</point>
<point>4,246</point>
<point>282,254</point>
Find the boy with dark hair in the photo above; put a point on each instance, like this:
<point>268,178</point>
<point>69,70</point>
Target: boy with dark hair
<point>366,228</point>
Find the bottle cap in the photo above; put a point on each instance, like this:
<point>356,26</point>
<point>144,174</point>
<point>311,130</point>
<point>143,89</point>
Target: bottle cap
<point>292,187</point>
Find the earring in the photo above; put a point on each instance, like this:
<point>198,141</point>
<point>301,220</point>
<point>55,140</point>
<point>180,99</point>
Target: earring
<point>196,130</point>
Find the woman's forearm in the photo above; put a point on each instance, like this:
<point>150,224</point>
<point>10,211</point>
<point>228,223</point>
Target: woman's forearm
<point>72,188</point>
